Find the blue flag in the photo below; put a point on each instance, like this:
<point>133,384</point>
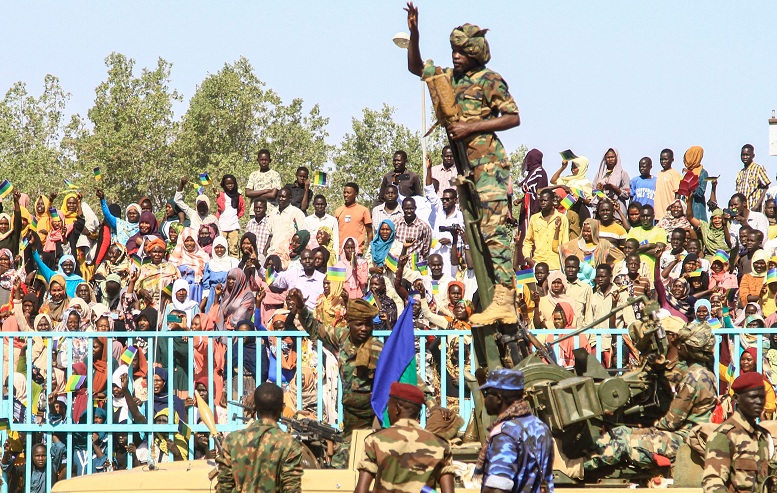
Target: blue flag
<point>396,362</point>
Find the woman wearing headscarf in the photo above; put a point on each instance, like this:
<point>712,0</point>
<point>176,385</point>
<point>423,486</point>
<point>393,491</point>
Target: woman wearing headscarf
<point>76,210</point>
<point>702,309</point>
<point>173,215</point>
<point>590,248</point>
<point>714,234</point>
<point>613,180</point>
<point>181,357</point>
<point>299,242</point>
<point>234,300</point>
<point>42,217</point>
<point>58,300</point>
<point>692,160</point>
<point>201,213</point>
<point>162,394</point>
<point>148,229</point>
<point>678,300</point>
<point>321,258</point>
<point>116,262</point>
<point>216,270</point>
<point>564,318</point>
<point>190,260</point>
<point>576,183</point>
<point>66,267</point>
<point>11,228</point>
<point>8,275</point>
<point>330,306</point>
<point>356,271</point>
<point>325,239</point>
<point>251,259</point>
<point>381,245</point>
<point>182,302</point>
<point>99,457</point>
<point>751,284</point>
<point>161,441</point>
<point>124,228</point>
<point>675,218</point>
<point>172,233</point>
<point>536,179</point>
<point>557,292</point>
<point>206,235</point>
<point>747,364</point>
<point>156,275</point>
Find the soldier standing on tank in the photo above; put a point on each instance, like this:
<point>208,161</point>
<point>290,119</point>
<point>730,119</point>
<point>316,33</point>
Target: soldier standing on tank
<point>261,457</point>
<point>740,451</point>
<point>487,107</point>
<point>518,455</point>
<point>404,457</point>
<point>357,356</point>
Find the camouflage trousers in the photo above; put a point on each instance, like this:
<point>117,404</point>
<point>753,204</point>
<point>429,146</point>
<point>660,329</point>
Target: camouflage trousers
<point>491,181</point>
<point>357,415</point>
<point>635,446</point>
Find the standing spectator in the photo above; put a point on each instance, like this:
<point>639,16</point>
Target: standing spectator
<point>604,299</point>
<point>692,160</point>
<point>612,179</point>
<point>667,183</point>
<point>576,183</point>
<point>284,223</point>
<point>448,217</point>
<point>643,187</point>
<point>411,227</point>
<point>752,181</point>
<point>446,171</point>
<point>536,179</point>
<point>264,183</point>
<point>744,215</point>
<point>200,214</point>
<point>259,226</point>
<point>648,236</point>
<point>301,194</point>
<point>353,220</point>
<point>548,229</point>
<point>320,219</point>
<point>407,181</point>
<point>389,209</point>
<point>229,212</point>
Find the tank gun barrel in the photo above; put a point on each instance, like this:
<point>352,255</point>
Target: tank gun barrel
<point>630,301</point>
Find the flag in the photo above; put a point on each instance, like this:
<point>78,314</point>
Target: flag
<point>722,256</point>
<point>5,189</point>
<point>577,192</point>
<point>568,201</point>
<point>168,291</point>
<point>568,155</point>
<point>5,424</point>
<point>391,262</point>
<point>698,272</point>
<point>74,383</point>
<point>97,175</point>
<point>435,287</point>
<point>423,268</point>
<point>34,223</point>
<point>730,371</point>
<point>136,260</point>
<point>204,179</point>
<point>184,430</point>
<point>54,214</point>
<point>369,298</point>
<point>414,261</point>
<point>128,355</point>
<point>434,243</point>
<point>270,275</point>
<point>25,243</point>
<point>70,185</point>
<point>525,276</point>
<point>771,276</point>
<point>396,362</point>
<point>715,323</point>
<point>336,274</point>
<point>319,178</point>
<point>599,193</point>
<point>589,259</point>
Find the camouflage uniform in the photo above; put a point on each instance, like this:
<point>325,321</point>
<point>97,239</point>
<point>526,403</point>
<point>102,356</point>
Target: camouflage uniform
<point>738,457</point>
<point>404,458</point>
<point>356,379</point>
<point>482,95</point>
<point>693,404</point>
<point>260,458</point>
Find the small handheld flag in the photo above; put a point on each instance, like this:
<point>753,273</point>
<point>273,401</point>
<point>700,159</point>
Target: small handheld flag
<point>423,268</point>
<point>74,383</point>
<point>128,355</point>
<point>568,201</point>
<point>599,193</point>
<point>698,272</point>
<point>369,298</point>
<point>270,275</point>
<point>185,430</point>
<point>168,291</point>
<point>525,276</point>
<point>568,155</point>
<point>771,276</point>
<point>34,223</point>
<point>434,243</point>
<point>730,371</point>
<point>25,243</point>
<point>392,262</point>
<point>715,323</point>
<point>414,261</point>
<point>435,287</point>
<point>70,185</point>
<point>97,175</point>
<point>54,214</point>
<point>204,179</point>
<point>5,189</point>
<point>336,274</point>
<point>319,178</point>
<point>722,256</point>
<point>577,192</point>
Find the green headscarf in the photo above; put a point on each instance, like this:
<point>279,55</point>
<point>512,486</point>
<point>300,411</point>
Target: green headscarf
<point>714,238</point>
<point>470,39</point>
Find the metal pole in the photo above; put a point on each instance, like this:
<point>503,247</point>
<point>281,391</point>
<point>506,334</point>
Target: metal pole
<point>423,130</point>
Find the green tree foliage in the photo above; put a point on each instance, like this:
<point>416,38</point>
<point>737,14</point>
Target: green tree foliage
<point>129,134</point>
<point>30,132</point>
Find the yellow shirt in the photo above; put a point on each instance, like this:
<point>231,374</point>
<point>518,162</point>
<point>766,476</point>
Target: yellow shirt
<point>539,243</point>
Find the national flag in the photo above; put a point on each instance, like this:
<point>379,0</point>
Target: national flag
<point>34,223</point>
<point>319,178</point>
<point>5,188</point>
<point>722,256</point>
<point>568,155</point>
<point>434,243</point>
<point>599,193</point>
<point>204,179</point>
<point>336,274</point>
<point>369,298</point>
<point>576,192</point>
<point>396,363</point>
<point>128,355</point>
<point>168,291</point>
<point>70,185</point>
<point>136,261</point>
<point>54,214</point>
<point>391,262</point>
<point>714,323</point>
<point>414,261</point>
<point>698,272</point>
<point>525,276</point>
<point>771,276</point>
<point>74,383</point>
<point>589,259</point>
<point>730,371</point>
<point>270,275</point>
<point>185,431</point>
<point>25,243</point>
<point>423,268</point>
<point>568,201</point>
<point>97,174</point>
<point>435,287</point>
<point>5,424</point>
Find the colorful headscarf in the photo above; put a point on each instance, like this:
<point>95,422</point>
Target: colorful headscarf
<point>692,159</point>
<point>380,248</point>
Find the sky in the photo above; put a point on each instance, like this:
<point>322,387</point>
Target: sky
<point>636,76</point>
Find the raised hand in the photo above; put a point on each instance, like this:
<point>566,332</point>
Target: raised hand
<point>412,16</point>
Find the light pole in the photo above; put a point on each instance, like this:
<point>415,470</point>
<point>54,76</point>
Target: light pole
<point>402,40</point>
<point>773,135</point>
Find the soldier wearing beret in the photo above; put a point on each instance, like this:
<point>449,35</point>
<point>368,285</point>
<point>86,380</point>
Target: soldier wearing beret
<point>357,354</point>
<point>740,451</point>
<point>518,455</point>
<point>404,457</point>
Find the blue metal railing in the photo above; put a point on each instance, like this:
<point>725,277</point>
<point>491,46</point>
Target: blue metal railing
<point>234,341</point>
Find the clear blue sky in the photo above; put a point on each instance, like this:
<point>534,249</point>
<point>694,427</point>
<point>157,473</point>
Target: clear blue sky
<point>639,76</point>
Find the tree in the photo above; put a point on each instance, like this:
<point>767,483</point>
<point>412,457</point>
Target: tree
<point>30,133</point>
<point>365,153</point>
<point>128,134</point>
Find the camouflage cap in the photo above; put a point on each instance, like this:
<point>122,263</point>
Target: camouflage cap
<point>470,39</point>
<point>697,336</point>
<point>504,379</point>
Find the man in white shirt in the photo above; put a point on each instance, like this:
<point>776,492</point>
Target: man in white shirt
<point>264,183</point>
<point>284,223</point>
<point>448,215</point>
<point>320,218</point>
<point>389,209</point>
<point>446,171</point>
<point>307,279</point>
<point>743,215</point>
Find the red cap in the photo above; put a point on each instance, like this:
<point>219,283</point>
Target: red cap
<point>748,381</point>
<point>407,392</point>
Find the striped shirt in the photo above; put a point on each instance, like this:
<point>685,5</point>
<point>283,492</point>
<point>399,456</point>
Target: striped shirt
<point>752,181</point>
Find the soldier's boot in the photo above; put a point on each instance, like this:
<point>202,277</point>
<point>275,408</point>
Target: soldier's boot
<point>501,309</point>
<point>571,467</point>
